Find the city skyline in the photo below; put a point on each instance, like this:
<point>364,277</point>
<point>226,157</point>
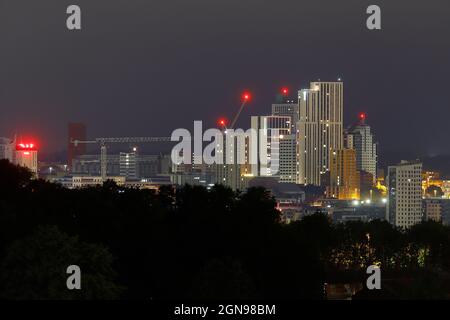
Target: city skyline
<point>284,98</point>
<point>384,72</point>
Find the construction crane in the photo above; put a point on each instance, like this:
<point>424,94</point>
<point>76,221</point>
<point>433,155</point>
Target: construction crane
<point>103,149</point>
<point>246,96</point>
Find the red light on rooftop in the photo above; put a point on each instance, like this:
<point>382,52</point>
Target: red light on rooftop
<point>285,91</point>
<point>30,146</point>
<point>362,116</point>
<point>222,122</point>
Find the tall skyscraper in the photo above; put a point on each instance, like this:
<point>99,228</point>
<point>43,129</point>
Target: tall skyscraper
<point>76,131</point>
<point>271,155</point>
<point>320,129</point>
<point>344,177</point>
<point>404,207</point>
<point>360,138</point>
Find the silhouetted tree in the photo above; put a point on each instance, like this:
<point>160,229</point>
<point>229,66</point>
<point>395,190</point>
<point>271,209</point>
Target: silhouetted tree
<point>35,268</point>
<point>12,176</point>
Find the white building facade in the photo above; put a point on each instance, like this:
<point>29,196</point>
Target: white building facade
<point>320,129</point>
<point>275,158</point>
<point>404,207</point>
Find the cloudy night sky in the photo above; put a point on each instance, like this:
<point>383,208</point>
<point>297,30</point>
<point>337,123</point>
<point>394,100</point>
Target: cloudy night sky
<point>146,67</point>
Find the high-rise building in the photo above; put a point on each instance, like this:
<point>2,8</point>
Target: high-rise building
<point>289,109</point>
<point>76,131</point>
<point>7,149</point>
<point>26,155</point>
<point>404,207</point>
<point>344,177</point>
<point>360,138</point>
<point>320,129</point>
<point>275,158</point>
<point>289,172</point>
<point>288,159</point>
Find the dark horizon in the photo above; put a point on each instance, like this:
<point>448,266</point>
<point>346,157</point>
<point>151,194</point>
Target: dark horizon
<point>145,69</point>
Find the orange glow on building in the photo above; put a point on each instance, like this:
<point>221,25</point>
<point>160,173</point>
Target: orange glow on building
<point>344,177</point>
<point>430,179</point>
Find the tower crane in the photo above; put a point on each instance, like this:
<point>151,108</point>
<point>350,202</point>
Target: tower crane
<point>103,148</point>
<point>246,97</point>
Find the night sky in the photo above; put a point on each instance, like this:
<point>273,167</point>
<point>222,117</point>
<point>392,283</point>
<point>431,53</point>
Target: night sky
<point>146,67</point>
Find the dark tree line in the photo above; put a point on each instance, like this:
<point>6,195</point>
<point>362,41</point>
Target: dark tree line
<point>194,243</point>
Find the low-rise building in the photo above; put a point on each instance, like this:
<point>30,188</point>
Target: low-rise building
<point>432,209</point>
<point>92,181</point>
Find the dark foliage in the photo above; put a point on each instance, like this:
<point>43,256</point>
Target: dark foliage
<point>190,243</point>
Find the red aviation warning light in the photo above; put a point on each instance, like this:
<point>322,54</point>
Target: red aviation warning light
<point>362,116</point>
<point>246,96</point>
<point>222,122</point>
<point>284,91</point>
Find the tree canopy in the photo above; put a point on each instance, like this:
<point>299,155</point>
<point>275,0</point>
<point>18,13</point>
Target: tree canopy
<point>193,242</point>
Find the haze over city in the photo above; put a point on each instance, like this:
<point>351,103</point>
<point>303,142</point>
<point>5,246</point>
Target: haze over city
<point>145,69</point>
